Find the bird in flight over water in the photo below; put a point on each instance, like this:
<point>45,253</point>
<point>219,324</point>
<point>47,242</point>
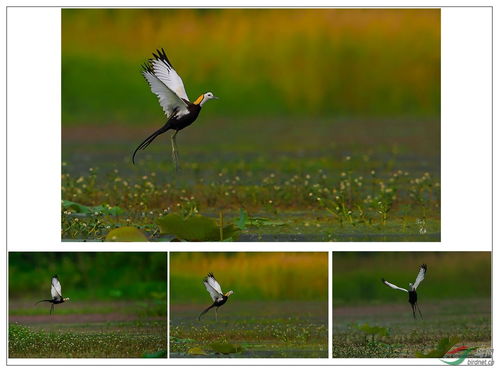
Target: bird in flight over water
<point>167,85</point>
<point>213,287</point>
<point>56,292</point>
<point>413,296</point>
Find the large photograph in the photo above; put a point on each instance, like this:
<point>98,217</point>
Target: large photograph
<point>250,125</point>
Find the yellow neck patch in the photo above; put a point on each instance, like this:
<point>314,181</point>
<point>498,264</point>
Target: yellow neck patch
<point>198,101</point>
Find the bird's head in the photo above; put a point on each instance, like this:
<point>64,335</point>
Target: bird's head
<point>66,299</point>
<point>229,293</point>
<point>202,99</point>
<point>410,285</point>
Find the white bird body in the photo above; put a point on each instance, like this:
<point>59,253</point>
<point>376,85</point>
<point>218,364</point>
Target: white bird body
<point>56,289</point>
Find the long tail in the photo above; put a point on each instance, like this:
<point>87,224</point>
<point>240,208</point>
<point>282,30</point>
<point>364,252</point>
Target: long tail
<point>149,139</point>
<point>205,311</point>
<point>43,301</point>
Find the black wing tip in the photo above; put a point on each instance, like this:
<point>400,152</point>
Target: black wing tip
<point>209,275</point>
<point>424,267</point>
<point>161,56</point>
<point>147,67</point>
<point>55,276</point>
<point>383,280</point>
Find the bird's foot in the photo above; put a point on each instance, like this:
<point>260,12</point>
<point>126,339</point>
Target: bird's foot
<point>175,161</point>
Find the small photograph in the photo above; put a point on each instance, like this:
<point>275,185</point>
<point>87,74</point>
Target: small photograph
<point>257,125</point>
<point>249,305</point>
<point>87,305</point>
<point>412,305</point>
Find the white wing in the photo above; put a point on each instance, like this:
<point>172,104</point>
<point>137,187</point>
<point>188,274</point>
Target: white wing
<point>420,277</point>
<point>164,71</point>
<point>393,286</point>
<point>168,99</point>
<point>55,289</point>
<point>213,287</point>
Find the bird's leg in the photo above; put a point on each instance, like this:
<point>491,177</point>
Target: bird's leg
<point>174,150</point>
<point>51,309</point>
<point>413,311</point>
<point>421,315</point>
<point>216,314</point>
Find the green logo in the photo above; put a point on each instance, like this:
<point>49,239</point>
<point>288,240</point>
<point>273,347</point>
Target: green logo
<point>466,350</point>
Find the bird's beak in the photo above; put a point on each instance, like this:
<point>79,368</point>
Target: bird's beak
<point>216,97</point>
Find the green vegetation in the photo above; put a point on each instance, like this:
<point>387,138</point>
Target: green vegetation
<point>88,340</point>
<point>278,309</point>
<point>266,329</point>
<point>468,321</point>
<point>117,307</point>
<point>355,198</point>
<point>444,346</point>
<point>371,320</point>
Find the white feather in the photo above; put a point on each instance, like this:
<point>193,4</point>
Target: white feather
<point>168,99</point>
<point>394,286</point>
<point>169,77</point>
<point>420,277</point>
<point>213,287</point>
<point>55,289</point>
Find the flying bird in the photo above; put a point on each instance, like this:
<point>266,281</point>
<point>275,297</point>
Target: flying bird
<point>413,296</point>
<point>213,287</point>
<point>56,292</point>
<point>167,85</point>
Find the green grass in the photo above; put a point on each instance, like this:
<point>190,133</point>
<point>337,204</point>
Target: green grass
<point>469,320</point>
<point>121,340</point>
<point>86,329</point>
<point>382,184</point>
<point>261,329</point>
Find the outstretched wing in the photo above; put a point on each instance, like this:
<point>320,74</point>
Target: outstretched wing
<point>168,99</point>
<point>55,289</point>
<point>165,72</point>
<point>420,277</point>
<point>213,287</point>
<point>393,286</point>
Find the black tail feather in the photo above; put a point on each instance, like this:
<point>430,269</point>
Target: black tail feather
<point>43,301</point>
<point>205,311</point>
<point>149,140</point>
